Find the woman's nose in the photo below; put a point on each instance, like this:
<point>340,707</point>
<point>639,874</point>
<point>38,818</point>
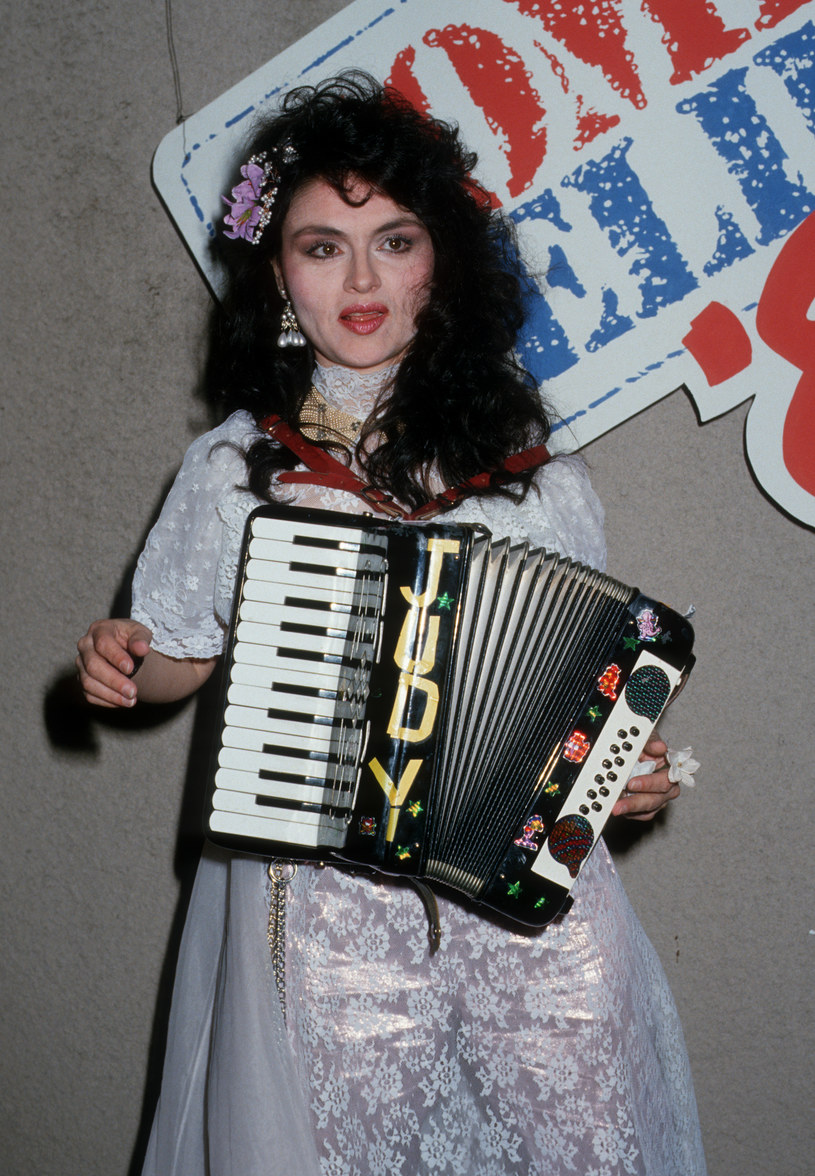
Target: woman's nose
<point>362,275</point>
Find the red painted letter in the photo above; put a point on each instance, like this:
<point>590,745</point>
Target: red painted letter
<point>594,33</point>
<point>403,79</point>
<point>497,81</point>
<point>694,34</point>
<point>772,11</point>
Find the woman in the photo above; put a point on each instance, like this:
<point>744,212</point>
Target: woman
<point>373,306</point>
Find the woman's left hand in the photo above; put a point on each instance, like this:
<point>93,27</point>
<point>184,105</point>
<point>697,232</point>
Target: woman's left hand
<point>645,796</point>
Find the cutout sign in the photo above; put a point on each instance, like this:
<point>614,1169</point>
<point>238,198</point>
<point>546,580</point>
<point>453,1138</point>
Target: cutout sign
<point>658,158</point>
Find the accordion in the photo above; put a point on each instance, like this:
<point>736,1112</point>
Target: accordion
<point>427,701</point>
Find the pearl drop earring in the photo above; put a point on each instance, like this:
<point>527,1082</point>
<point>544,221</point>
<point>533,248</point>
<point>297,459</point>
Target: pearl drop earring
<point>290,333</point>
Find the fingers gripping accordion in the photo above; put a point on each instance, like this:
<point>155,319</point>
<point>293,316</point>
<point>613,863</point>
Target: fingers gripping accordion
<point>424,700</point>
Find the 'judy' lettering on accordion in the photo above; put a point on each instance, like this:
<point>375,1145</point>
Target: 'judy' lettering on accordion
<point>427,701</point>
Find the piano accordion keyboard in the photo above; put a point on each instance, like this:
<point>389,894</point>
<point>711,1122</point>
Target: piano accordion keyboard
<point>306,636</point>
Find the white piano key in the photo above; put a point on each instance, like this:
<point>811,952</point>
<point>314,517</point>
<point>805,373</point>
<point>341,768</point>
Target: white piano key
<point>345,585</point>
<point>265,699</point>
<point>287,530</point>
<point>305,730</point>
<point>334,562</point>
<point>241,814</point>
<point>275,825</point>
<point>294,683</point>
<point>306,642</point>
<point>285,696</point>
<point>344,592</point>
<point>340,627</point>
<point>249,783</point>
<point>315,773</point>
<point>272,591</point>
<point>320,600</point>
<point>270,613</point>
<point>287,677</point>
<point>343,589</point>
<point>250,653</point>
<point>235,782</point>
<point>253,739</point>
<point>280,667</point>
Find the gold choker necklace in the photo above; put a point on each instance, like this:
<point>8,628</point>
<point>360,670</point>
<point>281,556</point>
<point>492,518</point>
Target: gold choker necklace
<point>322,422</point>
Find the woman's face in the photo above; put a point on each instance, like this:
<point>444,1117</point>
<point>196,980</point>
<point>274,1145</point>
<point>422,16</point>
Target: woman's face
<point>357,276</point>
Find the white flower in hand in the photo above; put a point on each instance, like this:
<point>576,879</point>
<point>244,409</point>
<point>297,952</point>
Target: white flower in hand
<point>681,766</point>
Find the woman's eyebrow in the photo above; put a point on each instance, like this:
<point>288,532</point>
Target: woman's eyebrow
<point>318,230</point>
<point>401,222</point>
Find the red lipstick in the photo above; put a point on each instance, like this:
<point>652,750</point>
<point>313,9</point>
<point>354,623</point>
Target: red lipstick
<point>364,317</point>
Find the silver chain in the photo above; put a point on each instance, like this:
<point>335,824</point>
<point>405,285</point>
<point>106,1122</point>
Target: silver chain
<point>280,875</point>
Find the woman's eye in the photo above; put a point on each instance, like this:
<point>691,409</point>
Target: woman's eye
<point>398,244</point>
<point>323,249</point>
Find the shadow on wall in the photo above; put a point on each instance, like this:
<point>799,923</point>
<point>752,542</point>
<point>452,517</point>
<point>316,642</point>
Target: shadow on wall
<point>71,725</point>
<point>76,729</point>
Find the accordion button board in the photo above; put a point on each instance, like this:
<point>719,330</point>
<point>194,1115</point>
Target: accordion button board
<point>425,700</point>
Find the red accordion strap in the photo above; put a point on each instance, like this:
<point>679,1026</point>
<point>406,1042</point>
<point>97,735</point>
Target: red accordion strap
<point>324,470</point>
<point>517,463</point>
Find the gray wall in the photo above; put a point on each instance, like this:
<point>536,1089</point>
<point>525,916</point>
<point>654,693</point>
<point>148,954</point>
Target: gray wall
<point>102,326</point>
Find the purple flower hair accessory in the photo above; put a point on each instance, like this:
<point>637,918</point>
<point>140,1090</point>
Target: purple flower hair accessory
<point>250,202</point>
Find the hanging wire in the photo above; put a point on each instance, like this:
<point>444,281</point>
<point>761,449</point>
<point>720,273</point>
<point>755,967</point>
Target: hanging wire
<point>168,17</point>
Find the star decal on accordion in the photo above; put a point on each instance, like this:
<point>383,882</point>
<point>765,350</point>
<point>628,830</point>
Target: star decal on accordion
<point>444,601</point>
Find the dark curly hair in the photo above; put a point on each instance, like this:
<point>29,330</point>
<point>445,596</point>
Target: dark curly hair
<point>460,403</point>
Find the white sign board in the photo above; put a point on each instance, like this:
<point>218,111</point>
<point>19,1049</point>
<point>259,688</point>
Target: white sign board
<point>659,161</point>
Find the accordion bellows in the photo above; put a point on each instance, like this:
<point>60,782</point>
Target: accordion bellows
<point>425,700</point>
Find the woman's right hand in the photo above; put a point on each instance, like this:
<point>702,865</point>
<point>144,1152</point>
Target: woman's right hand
<point>109,653</point>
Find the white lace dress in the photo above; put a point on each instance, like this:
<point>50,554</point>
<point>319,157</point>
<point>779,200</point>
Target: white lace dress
<point>534,1054</point>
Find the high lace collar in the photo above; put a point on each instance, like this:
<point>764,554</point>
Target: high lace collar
<point>349,389</point>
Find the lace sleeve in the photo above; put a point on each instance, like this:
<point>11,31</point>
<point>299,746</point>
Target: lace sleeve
<point>174,586</point>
